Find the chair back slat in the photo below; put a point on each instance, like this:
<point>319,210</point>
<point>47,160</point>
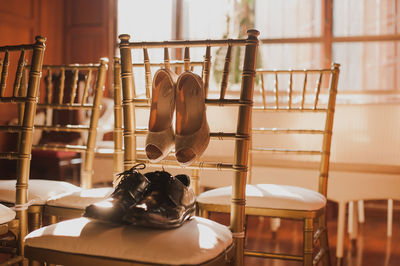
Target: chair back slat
<point>206,70</point>
<point>136,106</point>
<point>186,59</point>
<point>88,80</point>
<point>62,85</point>
<point>167,64</point>
<point>225,72</point>
<point>147,70</point>
<point>303,95</point>
<point>4,73</point>
<point>317,90</point>
<point>276,87</point>
<point>18,75</point>
<point>74,86</point>
<point>290,89</point>
<point>118,166</point>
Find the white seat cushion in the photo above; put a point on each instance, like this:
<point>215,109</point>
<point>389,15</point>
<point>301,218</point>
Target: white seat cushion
<point>268,196</point>
<point>196,241</point>
<point>81,199</point>
<point>39,191</point>
<point>6,214</point>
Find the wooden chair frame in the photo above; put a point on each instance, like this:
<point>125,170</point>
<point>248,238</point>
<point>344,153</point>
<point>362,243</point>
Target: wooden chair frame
<point>88,146</point>
<point>308,217</point>
<point>26,99</point>
<point>241,137</point>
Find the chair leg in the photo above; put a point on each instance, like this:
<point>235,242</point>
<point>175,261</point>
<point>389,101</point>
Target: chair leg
<point>361,214</point>
<point>35,221</point>
<point>353,225</point>
<point>275,224</point>
<point>389,217</point>
<point>340,230</point>
<point>322,224</point>
<point>53,219</point>
<point>308,241</point>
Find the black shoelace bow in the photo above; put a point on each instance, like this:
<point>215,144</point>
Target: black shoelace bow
<point>131,181</point>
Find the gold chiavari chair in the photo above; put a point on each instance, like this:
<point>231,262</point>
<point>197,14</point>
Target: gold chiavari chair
<point>198,241</point>
<point>25,98</point>
<point>81,99</point>
<point>298,121</point>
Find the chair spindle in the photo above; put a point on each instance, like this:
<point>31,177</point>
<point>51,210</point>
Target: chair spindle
<point>86,88</point>
<point>4,74</point>
<point>318,90</point>
<point>303,95</point>
<point>186,60</point>
<point>62,83</point>
<point>18,74</point>
<point>206,70</point>
<point>147,70</point>
<point>167,64</point>
<point>276,86</point>
<point>225,73</point>
<point>290,90</point>
<point>74,86</point>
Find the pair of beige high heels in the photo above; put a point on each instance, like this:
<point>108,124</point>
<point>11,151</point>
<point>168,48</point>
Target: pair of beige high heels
<point>185,95</point>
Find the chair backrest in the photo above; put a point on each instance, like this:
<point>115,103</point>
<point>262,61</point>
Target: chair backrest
<point>71,103</point>
<point>24,95</point>
<point>137,97</point>
<point>300,106</point>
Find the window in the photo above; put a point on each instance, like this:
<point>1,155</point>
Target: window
<point>362,35</point>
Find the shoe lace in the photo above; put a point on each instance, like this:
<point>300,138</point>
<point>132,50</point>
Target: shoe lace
<point>125,178</point>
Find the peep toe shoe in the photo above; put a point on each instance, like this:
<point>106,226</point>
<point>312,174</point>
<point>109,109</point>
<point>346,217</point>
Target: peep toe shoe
<point>192,134</point>
<point>160,137</point>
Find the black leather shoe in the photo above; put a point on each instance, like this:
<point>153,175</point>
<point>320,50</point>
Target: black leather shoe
<point>109,210</point>
<point>168,203</point>
<point>132,186</point>
<point>130,190</point>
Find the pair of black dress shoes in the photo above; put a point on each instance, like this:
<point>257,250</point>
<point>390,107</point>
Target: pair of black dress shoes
<point>155,199</point>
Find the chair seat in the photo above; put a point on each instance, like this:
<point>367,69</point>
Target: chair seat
<point>39,191</point>
<point>80,199</point>
<point>268,196</point>
<point>6,214</point>
<point>196,241</point>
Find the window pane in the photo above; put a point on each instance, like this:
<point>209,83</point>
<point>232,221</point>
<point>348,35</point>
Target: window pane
<point>149,20</point>
<point>290,56</point>
<point>365,17</point>
<point>144,22</point>
<point>206,19</point>
<point>289,18</point>
<point>368,66</point>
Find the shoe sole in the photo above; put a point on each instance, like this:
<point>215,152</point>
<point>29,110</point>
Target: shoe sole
<point>172,224</point>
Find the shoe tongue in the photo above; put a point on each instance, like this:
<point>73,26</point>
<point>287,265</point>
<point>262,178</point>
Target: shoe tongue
<point>158,176</point>
<point>184,179</point>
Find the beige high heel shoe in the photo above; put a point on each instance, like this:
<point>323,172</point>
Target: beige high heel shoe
<point>192,133</point>
<point>160,137</point>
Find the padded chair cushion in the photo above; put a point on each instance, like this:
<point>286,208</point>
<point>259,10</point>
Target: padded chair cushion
<point>6,214</point>
<point>81,199</point>
<point>268,196</point>
<point>39,191</point>
<point>196,241</point>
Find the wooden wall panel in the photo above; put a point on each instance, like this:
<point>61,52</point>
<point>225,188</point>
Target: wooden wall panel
<point>20,22</point>
<point>90,32</point>
<point>88,27</point>
<point>77,31</point>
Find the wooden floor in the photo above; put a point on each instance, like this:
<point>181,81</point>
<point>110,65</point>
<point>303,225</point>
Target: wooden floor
<point>372,247</point>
